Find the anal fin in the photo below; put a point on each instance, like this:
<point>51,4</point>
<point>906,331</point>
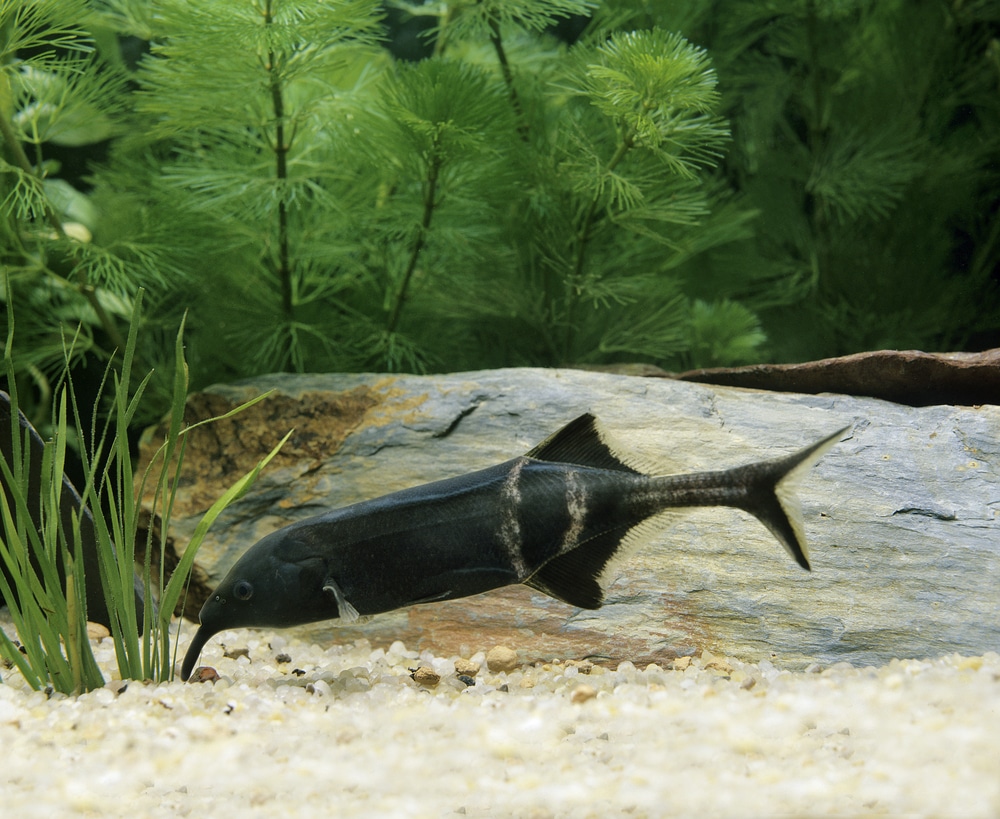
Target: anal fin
<point>574,577</point>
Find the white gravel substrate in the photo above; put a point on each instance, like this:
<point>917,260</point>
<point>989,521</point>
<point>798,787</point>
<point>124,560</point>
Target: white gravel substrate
<point>345,731</point>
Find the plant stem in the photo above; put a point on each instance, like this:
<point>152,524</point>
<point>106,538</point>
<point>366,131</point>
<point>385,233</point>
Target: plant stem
<point>582,239</point>
<point>508,78</point>
<point>85,289</point>
<point>817,136</point>
<point>21,158</point>
<point>430,192</point>
<point>281,174</point>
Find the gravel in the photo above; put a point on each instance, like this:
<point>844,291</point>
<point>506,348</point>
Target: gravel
<point>293,729</point>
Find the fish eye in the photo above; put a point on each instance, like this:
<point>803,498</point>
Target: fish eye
<point>243,590</point>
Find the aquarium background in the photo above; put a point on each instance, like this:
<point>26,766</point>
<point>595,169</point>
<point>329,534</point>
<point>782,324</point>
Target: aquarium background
<point>432,187</point>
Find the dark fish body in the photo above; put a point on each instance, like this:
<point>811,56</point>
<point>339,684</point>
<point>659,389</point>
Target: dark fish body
<point>552,519</point>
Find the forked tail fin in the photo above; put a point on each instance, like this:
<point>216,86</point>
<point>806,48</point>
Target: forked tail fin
<point>771,496</point>
<point>765,490</point>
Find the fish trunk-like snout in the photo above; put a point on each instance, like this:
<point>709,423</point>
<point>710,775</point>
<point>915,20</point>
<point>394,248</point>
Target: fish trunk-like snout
<point>202,636</point>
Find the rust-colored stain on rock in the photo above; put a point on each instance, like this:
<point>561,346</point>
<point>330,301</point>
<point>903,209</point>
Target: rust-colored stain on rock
<point>220,452</point>
<point>541,629</point>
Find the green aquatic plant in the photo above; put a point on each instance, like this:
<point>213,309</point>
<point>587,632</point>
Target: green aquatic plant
<point>59,91</point>
<point>866,135</point>
<point>690,184</point>
<point>42,562</point>
<point>241,111</point>
<point>507,200</point>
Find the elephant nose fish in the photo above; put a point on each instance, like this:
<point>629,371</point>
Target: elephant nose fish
<point>553,519</point>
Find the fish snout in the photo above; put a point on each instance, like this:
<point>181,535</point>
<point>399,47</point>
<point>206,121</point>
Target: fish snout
<point>201,636</point>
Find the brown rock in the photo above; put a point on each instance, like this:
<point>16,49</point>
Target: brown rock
<point>426,676</point>
<point>203,673</point>
<point>466,668</point>
<point>582,693</point>
<point>902,512</point>
<point>199,588</point>
<point>501,658</point>
<point>909,377</point>
<point>96,631</point>
<point>713,663</point>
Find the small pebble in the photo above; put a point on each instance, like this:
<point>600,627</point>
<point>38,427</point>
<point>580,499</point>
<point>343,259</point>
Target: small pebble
<point>426,676</point>
<point>118,686</point>
<point>203,673</point>
<point>97,631</point>
<point>719,665</point>
<point>282,658</point>
<point>681,663</point>
<point>466,668</point>
<point>748,683</point>
<point>236,653</point>
<point>466,679</point>
<point>501,658</point>
<point>582,693</point>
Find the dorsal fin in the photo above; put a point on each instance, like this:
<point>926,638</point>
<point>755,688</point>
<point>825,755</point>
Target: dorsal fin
<point>579,443</point>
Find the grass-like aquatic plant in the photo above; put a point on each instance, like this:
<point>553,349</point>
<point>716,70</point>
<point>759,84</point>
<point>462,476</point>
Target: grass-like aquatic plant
<point>43,558</point>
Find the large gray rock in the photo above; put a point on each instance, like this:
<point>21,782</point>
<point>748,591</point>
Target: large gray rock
<point>902,517</point>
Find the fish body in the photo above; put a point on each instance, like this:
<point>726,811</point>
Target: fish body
<point>552,519</point>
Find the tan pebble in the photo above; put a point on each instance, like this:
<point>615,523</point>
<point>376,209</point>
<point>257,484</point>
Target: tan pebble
<point>582,693</point>
<point>964,664</point>
<point>501,658</point>
<point>527,682</point>
<point>97,631</point>
<point>203,673</point>
<point>582,666</point>
<point>236,653</point>
<point>118,686</point>
<point>748,683</point>
<point>426,676</point>
<point>466,668</point>
<point>719,665</point>
<point>681,663</point>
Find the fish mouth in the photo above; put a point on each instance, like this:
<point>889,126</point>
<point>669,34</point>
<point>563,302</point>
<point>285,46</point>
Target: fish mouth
<point>201,636</point>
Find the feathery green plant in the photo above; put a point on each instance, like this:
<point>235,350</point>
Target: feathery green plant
<point>425,216</point>
<point>867,136</point>
<point>637,177</point>
<point>56,89</point>
<point>242,112</point>
<point>50,614</point>
<point>315,204</point>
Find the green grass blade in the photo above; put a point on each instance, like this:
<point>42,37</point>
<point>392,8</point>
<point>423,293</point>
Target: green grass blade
<point>179,578</point>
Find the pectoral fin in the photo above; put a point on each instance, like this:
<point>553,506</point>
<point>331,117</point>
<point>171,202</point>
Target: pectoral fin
<point>345,610</point>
